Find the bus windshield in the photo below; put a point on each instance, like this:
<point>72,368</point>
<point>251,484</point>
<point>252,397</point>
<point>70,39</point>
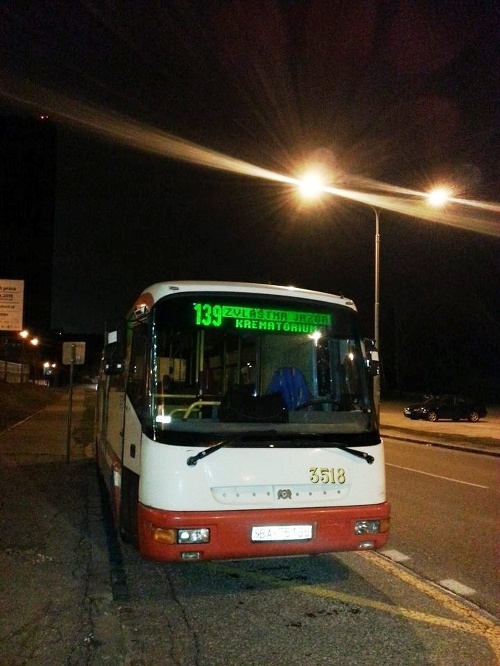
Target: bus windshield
<point>225,363</point>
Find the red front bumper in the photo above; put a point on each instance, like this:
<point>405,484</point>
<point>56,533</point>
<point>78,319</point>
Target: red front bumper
<point>230,532</point>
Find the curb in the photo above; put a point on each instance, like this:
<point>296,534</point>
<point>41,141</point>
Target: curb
<point>468,447</point>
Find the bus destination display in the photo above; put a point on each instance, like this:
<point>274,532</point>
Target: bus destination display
<point>218,315</point>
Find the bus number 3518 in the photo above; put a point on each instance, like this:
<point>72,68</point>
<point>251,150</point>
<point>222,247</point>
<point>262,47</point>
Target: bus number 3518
<point>327,475</point>
<point>217,401</point>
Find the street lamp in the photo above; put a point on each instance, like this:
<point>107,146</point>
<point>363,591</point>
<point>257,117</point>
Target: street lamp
<point>311,186</point>
<point>376,309</point>
<point>439,196</point>
<point>34,342</point>
<point>49,370</point>
<point>23,335</point>
<point>33,358</point>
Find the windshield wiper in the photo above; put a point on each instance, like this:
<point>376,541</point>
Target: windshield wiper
<point>192,460</point>
<point>359,454</point>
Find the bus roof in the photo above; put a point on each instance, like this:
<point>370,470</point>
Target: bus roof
<point>159,290</point>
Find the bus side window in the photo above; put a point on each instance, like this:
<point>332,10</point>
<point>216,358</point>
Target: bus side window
<point>137,378</point>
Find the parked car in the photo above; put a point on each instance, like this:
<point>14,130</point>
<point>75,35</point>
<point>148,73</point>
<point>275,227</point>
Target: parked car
<point>454,407</point>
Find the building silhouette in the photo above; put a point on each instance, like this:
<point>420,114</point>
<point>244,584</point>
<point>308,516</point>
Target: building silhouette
<point>28,161</point>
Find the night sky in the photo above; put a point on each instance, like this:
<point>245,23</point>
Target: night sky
<point>404,92</point>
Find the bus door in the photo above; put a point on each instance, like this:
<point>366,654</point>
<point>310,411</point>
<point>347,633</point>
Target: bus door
<point>136,401</point>
<point>112,401</point>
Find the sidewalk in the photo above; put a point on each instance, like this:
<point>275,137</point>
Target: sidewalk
<point>43,437</point>
<point>56,606</point>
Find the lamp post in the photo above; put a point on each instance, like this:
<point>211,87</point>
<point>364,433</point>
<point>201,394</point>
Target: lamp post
<point>439,196</point>
<point>23,335</point>
<point>33,358</point>
<point>34,342</point>
<point>376,309</point>
<point>311,186</point>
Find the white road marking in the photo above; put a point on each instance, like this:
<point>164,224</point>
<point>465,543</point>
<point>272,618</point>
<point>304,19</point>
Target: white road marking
<point>395,555</point>
<point>457,587</point>
<point>448,583</point>
<point>437,476</point>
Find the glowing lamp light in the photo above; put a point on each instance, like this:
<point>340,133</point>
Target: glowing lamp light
<point>311,186</point>
<point>315,337</point>
<point>439,196</point>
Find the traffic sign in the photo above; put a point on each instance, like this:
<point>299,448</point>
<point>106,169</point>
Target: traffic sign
<point>73,353</point>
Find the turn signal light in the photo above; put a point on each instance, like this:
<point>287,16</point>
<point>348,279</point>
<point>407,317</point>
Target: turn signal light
<point>162,535</point>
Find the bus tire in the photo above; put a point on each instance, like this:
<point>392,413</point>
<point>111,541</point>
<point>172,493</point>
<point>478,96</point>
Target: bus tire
<point>129,499</point>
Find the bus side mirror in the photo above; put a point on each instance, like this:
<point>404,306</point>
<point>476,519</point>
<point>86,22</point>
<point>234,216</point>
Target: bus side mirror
<point>113,363</point>
<point>372,360</point>
<point>112,367</point>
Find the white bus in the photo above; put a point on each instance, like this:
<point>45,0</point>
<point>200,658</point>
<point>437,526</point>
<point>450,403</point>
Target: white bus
<point>236,420</point>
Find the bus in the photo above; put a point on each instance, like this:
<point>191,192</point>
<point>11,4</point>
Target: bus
<point>236,420</point>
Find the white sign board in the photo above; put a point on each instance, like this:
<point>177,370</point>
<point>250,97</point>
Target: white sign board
<point>11,305</point>
<point>73,353</point>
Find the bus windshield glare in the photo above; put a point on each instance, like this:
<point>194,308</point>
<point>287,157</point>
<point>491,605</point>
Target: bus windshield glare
<point>223,363</point>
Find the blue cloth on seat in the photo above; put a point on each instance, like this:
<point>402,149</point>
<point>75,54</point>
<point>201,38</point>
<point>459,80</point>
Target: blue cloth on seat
<point>293,386</point>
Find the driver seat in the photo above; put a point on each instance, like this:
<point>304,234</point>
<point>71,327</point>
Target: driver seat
<point>292,385</point>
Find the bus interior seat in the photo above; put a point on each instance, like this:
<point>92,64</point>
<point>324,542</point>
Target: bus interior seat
<point>293,386</point>
<point>238,405</point>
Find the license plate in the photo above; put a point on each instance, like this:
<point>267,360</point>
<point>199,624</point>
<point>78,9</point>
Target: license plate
<point>281,532</point>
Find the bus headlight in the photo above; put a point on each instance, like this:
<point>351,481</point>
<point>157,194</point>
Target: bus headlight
<point>366,527</point>
<point>197,535</point>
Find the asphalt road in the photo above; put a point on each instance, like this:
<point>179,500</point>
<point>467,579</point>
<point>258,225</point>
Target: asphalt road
<point>69,595</point>
<point>446,517</point>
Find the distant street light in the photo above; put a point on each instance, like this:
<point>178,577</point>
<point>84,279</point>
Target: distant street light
<point>34,342</point>
<point>49,370</point>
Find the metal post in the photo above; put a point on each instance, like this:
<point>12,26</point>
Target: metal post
<point>376,379</point>
<point>5,340</point>
<point>70,404</point>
